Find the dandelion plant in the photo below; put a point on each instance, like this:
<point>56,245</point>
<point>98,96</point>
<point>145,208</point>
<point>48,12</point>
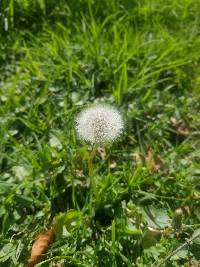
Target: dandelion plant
<point>98,124</point>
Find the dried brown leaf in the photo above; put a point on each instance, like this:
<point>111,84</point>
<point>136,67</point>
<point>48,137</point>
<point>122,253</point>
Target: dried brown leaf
<point>180,127</point>
<point>136,157</point>
<point>40,246</point>
<point>153,161</point>
<point>102,152</point>
<point>79,173</point>
<point>113,164</point>
<point>183,130</point>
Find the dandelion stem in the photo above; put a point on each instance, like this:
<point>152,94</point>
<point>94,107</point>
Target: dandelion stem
<point>91,169</point>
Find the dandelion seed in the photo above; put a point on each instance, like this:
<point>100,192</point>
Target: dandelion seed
<point>99,124</point>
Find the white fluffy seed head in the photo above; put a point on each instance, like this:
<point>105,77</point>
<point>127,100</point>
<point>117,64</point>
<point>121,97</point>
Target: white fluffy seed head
<point>99,124</point>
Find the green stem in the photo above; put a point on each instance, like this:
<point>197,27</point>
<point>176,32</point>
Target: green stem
<point>91,170</point>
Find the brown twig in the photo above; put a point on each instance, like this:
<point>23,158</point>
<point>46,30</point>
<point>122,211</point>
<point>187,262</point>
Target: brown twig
<point>187,242</point>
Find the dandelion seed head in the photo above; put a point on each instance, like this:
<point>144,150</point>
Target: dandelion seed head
<point>99,124</point>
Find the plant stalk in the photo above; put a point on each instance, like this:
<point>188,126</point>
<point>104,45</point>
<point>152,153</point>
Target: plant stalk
<point>91,170</point>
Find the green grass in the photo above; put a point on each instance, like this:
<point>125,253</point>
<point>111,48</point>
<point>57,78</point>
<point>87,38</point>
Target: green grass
<point>56,57</point>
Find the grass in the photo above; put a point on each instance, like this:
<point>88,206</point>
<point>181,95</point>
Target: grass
<point>143,57</point>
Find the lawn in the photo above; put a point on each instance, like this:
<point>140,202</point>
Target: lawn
<point>139,56</point>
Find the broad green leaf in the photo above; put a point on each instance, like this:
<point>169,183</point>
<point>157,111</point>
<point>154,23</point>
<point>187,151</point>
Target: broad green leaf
<point>156,218</point>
